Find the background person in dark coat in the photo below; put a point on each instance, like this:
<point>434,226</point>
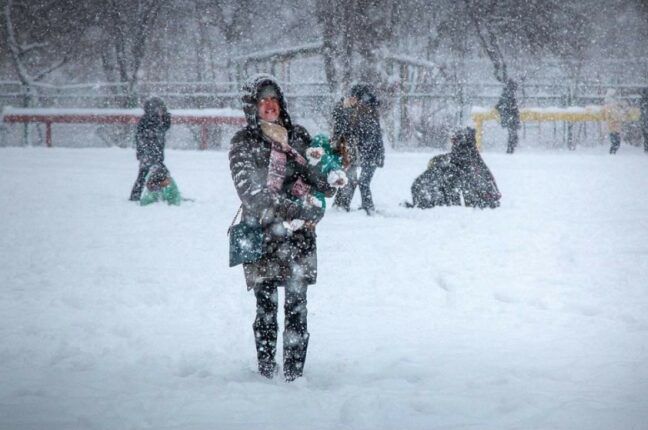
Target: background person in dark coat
<point>357,136</point>
<point>643,116</point>
<point>459,174</point>
<point>509,114</point>
<point>268,166</point>
<point>150,141</point>
<point>436,185</point>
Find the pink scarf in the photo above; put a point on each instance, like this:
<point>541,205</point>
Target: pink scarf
<point>279,153</point>
<point>277,169</point>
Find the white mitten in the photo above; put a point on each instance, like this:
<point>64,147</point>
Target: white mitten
<point>337,178</point>
<point>311,200</point>
<point>314,155</point>
<point>293,225</point>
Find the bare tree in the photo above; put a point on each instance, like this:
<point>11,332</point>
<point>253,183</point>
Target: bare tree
<point>127,26</point>
<point>353,31</point>
<point>232,18</point>
<point>41,37</point>
<point>533,26</point>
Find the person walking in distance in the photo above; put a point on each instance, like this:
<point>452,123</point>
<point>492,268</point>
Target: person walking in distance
<point>509,114</point>
<point>357,137</point>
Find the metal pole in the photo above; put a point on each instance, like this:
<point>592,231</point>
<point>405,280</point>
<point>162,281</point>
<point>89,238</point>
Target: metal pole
<point>48,134</point>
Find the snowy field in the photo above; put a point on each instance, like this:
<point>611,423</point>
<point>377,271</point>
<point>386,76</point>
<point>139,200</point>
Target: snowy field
<point>530,316</point>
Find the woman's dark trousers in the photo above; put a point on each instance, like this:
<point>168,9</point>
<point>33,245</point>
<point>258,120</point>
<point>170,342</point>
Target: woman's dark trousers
<point>295,335</point>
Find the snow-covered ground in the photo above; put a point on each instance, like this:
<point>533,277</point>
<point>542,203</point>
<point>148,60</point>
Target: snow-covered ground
<point>530,316</point>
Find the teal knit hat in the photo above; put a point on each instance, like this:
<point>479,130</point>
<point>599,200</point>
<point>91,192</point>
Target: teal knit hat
<point>321,140</point>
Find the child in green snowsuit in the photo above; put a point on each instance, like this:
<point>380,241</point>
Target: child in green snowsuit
<point>330,164</point>
<point>320,157</point>
<point>160,186</point>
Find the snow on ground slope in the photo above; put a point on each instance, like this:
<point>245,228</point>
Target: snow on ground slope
<point>530,316</point>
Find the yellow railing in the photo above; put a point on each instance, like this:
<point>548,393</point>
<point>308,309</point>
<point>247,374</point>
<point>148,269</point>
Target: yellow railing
<point>576,114</point>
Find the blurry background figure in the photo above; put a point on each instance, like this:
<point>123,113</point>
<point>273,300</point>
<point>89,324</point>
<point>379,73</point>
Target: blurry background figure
<point>612,111</point>
<point>509,114</point>
<point>458,175</point>
<point>160,186</point>
<point>150,141</point>
<point>357,137</point>
<point>643,116</point>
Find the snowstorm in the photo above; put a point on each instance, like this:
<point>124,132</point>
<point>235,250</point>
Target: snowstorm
<point>323,214</point>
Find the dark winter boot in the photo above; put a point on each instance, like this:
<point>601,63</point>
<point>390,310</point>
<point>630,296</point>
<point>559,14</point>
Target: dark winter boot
<point>265,329</point>
<point>366,174</point>
<point>138,186</point>
<point>268,370</point>
<point>295,347</point>
<point>295,336</point>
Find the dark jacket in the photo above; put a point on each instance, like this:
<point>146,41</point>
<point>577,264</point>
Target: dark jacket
<point>150,133</point>
<point>286,254</point>
<point>507,107</point>
<point>344,141</point>
<point>471,174</point>
<point>360,127</point>
<point>437,185</point>
<point>462,172</point>
<point>643,109</point>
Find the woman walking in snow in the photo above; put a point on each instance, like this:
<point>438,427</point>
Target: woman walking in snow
<point>272,176</point>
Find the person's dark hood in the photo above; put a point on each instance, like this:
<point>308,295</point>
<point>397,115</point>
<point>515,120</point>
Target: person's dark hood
<point>250,98</point>
<point>151,106</point>
<point>365,94</point>
<point>464,147</point>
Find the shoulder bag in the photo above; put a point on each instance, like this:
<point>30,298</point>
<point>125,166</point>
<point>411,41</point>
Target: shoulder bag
<point>245,241</point>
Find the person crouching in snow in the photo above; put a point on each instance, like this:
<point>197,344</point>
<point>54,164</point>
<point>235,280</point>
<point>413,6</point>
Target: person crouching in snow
<point>460,175</point>
<point>160,186</point>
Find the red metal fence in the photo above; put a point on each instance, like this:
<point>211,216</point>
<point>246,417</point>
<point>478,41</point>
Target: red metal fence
<point>48,116</point>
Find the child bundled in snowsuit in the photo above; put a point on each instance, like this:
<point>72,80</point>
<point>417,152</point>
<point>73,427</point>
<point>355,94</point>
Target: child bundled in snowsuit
<point>324,168</point>
<point>160,186</point>
<point>321,155</point>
